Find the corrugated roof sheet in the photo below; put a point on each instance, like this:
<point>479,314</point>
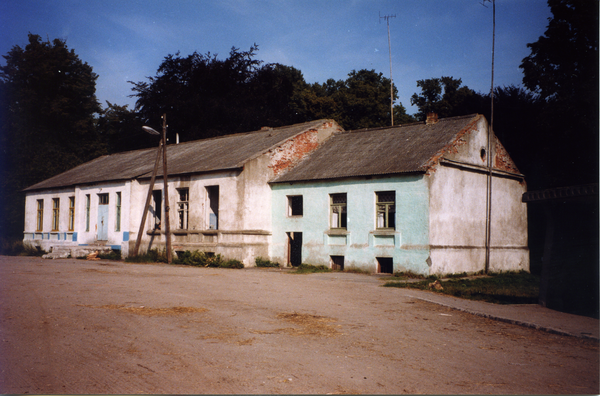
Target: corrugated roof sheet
<point>220,153</point>
<point>367,152</point>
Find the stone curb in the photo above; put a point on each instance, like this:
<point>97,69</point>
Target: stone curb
<point>511,321</point>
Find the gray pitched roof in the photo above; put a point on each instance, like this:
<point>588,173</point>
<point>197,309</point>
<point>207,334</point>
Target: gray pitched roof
<point>220,153</point>
<point>368,152</point>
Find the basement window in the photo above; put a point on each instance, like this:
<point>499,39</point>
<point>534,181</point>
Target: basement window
<point>385,265</point>
<point>337,263</point>
<point>295,205</point>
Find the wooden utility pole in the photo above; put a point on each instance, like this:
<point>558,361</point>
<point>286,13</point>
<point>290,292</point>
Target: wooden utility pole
<point>148,197</point>
<point>165,178</point>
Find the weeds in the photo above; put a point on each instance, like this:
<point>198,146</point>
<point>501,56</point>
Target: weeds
<point>500,288</point>
<point>311,269</point>
<point>260,262</point>
<point>113,255</point>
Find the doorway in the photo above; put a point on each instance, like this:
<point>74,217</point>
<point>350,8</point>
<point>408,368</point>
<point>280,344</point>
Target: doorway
<point>213,207</point>
<point>294,248</point>
<point>102,217</point>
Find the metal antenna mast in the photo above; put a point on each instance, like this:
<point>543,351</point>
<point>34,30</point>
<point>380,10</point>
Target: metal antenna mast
<point>387,19</point>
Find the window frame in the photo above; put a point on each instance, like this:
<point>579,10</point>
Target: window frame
<point>71,213</point>
<point>295,206</point>
<point>40,215</point>
<point>383,207</point>
<point>183,208</point>
<point>339,208</point>
<point>55,214</point>
<point>88,205</point>
<point>118,212</point>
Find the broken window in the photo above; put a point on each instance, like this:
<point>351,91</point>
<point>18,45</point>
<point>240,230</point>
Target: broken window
<point>71,213</point>
<point>156,209</point>
<point>118,213</point>
<point>338,210</point>
<point>183,208</point>
<point>295,205</point>
<point>213,207</point>
<point>55,213</point>
<point>386,210</point>
<point>40,215</point>
<point>87,212</point>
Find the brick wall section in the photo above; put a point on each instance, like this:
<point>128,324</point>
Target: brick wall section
<point>291,152</point>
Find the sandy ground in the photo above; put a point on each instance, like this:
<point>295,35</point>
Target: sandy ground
<point>74,326</point>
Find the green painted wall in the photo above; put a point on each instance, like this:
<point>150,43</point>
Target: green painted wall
<point>361,243</point>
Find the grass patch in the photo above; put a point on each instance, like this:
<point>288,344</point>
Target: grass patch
<point>356,270</point>
<point>311,269</point>
<point>260,262</point>
<point>503,288</point>
<point>195,259</point>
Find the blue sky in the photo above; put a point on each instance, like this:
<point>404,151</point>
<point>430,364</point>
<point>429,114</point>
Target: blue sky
<point>126,40</point>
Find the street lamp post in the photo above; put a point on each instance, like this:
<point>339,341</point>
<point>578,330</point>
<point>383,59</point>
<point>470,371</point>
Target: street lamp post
<point>163,146</point>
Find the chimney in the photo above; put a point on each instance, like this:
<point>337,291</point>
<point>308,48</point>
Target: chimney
<point>432,118</point>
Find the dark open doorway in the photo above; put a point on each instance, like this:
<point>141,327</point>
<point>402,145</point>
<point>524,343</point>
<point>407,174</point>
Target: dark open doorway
<point>294,248</point>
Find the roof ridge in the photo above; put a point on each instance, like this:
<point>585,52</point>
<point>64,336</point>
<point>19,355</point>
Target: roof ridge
<point>407,125</point>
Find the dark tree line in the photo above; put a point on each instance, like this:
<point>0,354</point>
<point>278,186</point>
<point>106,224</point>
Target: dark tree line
<point>50,119</point>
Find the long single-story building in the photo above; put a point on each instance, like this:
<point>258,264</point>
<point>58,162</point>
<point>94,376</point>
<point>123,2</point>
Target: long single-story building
<point>402,198</point>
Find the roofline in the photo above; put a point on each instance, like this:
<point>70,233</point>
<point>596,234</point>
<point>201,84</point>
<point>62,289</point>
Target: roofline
<point>414,172</point>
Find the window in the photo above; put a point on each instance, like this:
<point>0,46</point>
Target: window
<point>55,213</point>
<point>338,210</point>
<point>183,208</point>
<point>385,265</point>
<point>156,208</point>
<point>337,263</point>
<point>87,212</point>
<point>102,199</point>
<point>213,207</point>
<point>118,214</point>
<point>71,213</point>
<point>40,215</point>
<point>386,210</point>
<point>295,205</point>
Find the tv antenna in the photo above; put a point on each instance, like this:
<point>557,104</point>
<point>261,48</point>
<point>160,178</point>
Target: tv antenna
<point>387,19</point>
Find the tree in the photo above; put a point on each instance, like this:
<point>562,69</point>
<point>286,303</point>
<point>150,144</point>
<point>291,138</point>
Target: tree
<point>563,70</point>
<point>360,101</point>
<point>204,96</point>
<point>443,96</point>
<point>48,108</point>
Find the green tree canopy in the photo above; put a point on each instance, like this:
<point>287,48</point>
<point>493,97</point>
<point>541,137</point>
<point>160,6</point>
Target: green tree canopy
<point>48,109</point>
<point>205,96</point>
<point>443,96</point>
<point>360,101</point>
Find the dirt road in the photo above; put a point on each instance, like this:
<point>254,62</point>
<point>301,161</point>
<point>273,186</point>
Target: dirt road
<point>74,326</point>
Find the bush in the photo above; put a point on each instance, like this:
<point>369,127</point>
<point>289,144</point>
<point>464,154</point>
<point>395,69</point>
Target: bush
<point>260,262</point>
<point>14,247</point>
<point>113,255</point>
<point>233,263</point>
<point>151,256</point>
<point>201,259</point>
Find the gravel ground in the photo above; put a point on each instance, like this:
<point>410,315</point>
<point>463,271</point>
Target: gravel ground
<point>75,326</point>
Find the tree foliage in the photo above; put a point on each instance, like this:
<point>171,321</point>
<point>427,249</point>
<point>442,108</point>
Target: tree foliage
<point>48,107</point>
<point>205,96</point>
<point>443,96</point>
<point>563,69</point>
